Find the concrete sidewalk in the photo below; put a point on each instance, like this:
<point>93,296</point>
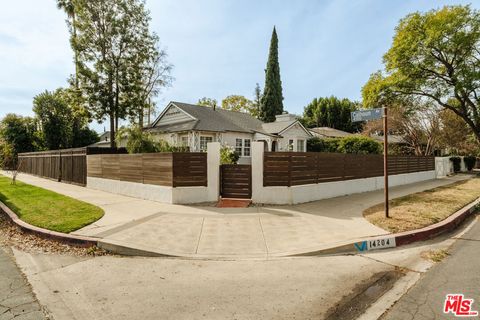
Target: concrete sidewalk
<point>210,232</point>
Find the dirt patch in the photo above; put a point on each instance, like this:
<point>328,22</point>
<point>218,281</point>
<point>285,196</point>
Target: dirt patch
<point>435,255</point>
<point>363,295</point>
<point>12,236</point>
<point>425,208</point>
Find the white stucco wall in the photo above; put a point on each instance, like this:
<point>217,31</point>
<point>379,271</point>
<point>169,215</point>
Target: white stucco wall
<point>179,195</point>
<point>312,192</point>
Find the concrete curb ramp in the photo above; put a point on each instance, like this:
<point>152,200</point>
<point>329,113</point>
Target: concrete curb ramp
<point>346,247</point>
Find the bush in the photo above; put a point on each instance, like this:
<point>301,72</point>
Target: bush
<point>470,162</point>
<point>228,156</point>
<point>138,141</point>
<point>359,145</point>
<point>316,144</point>
<point>456,163</point>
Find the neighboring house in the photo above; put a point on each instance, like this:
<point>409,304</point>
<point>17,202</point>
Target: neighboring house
<point>327,132</point>
<point>194,126</point>
<point>103,141</point>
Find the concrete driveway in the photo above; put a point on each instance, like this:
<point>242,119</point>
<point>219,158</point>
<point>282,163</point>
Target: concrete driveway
<point>232,233</point>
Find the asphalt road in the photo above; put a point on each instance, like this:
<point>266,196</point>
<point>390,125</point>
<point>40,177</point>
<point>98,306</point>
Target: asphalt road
<point>458,273</point>
<point>16,297</point>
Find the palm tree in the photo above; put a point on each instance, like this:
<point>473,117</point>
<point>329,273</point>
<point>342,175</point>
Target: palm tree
<point>69,7</point>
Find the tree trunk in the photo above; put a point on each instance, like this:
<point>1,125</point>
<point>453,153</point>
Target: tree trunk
<point>112,130</point>
<point>75,51</point>
<point>140,117</point>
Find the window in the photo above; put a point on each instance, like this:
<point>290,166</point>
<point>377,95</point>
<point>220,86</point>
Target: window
<point>290,145</point>
<point>203,142</point>
<point>185,141</point>
<point>246,148</point>
<point>300,145</point>
<point>238,146</point>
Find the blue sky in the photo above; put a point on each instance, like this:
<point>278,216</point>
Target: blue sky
<point>218,47</point>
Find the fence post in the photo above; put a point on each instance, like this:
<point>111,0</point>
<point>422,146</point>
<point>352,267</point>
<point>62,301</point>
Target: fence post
<point>289,170</point>
<point>60,166</point>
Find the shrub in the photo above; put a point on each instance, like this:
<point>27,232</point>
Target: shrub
<point>359,145</point>
<point>138,141</point>
<point>316,144</point>
<point>228,155</point>
<point>456,163</point>
<point>470,162</point>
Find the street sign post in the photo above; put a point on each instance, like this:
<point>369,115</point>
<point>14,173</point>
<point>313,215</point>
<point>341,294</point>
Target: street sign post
<point>366,115</point>
<point>374,114</point>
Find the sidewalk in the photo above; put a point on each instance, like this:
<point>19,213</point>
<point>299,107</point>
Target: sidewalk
<point>210,232</point>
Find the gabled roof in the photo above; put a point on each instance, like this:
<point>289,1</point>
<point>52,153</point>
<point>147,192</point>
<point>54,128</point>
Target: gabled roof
<point>209,119</point>
<point>330,132</point>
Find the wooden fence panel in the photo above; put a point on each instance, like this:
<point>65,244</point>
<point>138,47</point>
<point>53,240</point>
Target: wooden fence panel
<point>300,168</point>
<point>157,169</point>
<point>236,181</point>
<point>189,169</point>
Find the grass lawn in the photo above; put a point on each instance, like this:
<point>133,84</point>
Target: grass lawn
<point>47,209</point>
<point>424,208</point>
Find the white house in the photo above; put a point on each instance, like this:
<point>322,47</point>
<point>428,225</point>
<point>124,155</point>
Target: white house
<point>194,126</point>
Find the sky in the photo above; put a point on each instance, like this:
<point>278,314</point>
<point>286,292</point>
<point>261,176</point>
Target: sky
<point>218,47</point>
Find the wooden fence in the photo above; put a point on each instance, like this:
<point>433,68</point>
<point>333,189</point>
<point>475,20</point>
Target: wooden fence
<point>236,181</point>
<point>298,168</point>
<point>173,169</point>
<point>67,165</point>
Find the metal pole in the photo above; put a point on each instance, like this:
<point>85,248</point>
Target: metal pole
<point>385,158</point>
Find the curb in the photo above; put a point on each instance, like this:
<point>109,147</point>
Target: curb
<point>47,234</point>
<point>398,239</point>
<point>361,245</point>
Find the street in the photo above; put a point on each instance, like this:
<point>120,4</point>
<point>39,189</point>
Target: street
<point>458,273</point>
<point>16,297</point>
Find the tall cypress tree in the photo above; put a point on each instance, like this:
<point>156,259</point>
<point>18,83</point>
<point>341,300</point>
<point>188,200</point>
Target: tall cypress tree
<point>271,103</point>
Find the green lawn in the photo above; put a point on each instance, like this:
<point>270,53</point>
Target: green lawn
<point>47,209</point>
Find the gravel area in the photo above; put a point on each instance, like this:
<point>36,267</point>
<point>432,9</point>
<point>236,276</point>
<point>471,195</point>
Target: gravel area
<point>12,236</point>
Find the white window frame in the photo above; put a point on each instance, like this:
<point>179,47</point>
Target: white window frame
<point>206,139</point>
<point>290,145</point>
<point>239,146</point>
<point>302,141</point>
<point>245,148</point>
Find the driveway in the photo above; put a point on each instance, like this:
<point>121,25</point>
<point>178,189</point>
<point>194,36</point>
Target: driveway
<point>210,232</point>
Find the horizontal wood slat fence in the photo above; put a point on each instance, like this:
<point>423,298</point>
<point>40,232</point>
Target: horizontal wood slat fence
<point>67,165</point>
<point>236,181</point>
<point>299,168</point>
<point>172,169</point>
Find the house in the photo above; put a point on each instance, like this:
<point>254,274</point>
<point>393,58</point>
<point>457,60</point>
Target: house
<point>194,126</point>
<point>103,141</point>
<point>327,132</point>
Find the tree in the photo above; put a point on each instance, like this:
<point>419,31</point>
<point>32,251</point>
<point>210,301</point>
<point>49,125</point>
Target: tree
<point>207,102</point>
<point>69,8</point>
<point>257,94</point>
<point>55,119</point>
<point>271,103</point>
<point>114,45</point>
<point>417,122</point>
<point>331,112</point>
<point>456,137</point>
<point>19,133</point>
<point>435,56</point>
<point>239,103</point>
<point>63,125</point>
<point>151,72</point>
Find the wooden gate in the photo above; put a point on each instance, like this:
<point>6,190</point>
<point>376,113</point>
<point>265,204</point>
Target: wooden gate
<point>236,181</point>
